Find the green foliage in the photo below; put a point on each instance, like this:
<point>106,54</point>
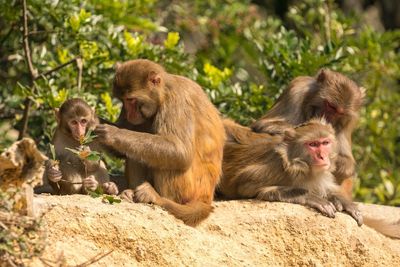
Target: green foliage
<point>241,55</point>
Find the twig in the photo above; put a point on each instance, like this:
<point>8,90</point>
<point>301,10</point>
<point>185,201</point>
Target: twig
<point>70,182</point>
<point>40,32</point>
<point>57,68</point>
<point>32,70</point>
<point>79,65</point>
<point>94,259</point>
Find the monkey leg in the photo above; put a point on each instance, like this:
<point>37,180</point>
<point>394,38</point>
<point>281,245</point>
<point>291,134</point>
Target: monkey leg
<point>191,213</point>
<point>297,196</point>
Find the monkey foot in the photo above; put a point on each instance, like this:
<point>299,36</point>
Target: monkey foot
<point>127,195</point>
<point>145,193</point>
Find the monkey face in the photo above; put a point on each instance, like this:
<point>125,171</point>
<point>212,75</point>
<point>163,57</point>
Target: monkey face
<point>139,107</point>
<point>78,126</point>
<point>319,151</point>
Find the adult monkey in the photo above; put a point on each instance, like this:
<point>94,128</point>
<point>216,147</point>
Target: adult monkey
<point>295,167</point>
<point>331,95</point>
<point>173,139</point>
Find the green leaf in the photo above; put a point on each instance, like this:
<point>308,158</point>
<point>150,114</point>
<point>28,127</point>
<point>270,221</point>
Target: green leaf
<point>93,157</point>
<point>111,199</point>
<point>53,151</point>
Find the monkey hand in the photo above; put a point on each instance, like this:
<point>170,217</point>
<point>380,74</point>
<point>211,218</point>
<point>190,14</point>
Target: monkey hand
<point>145,193</point>
<point>110,188</point>
<point>90,183</point>
<point>105,133</point>
<point>127,195</point>
<point>324,206</point>
<point>342,204</point>
<point>273,127</point>
<point>53,173</point>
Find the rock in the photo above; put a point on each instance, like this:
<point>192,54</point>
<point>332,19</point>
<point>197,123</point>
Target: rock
<point>238,233</point>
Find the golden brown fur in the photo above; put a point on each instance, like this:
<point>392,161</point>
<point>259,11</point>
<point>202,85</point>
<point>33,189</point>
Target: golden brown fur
<point>173,139</point>
<point>279,168</point>
<point>308,97</point>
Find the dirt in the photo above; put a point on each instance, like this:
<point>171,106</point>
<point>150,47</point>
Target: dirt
<point>238,233</point>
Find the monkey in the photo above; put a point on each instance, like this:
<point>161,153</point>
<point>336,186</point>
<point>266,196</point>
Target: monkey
<point>295,166</point>
<point>74,175</point>
<point>331,95</point>
<point>172,137</point>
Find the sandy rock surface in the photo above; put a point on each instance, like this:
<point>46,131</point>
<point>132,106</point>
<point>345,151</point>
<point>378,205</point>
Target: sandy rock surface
<point>238,233</point>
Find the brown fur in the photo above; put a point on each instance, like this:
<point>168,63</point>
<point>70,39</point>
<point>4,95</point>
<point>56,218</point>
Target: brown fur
<point>71,167</point>
<point>279,168</point>
<point>305,98</point>
<point>174,145</point>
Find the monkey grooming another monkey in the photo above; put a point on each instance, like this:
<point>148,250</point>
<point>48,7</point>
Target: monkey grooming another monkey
<point>294,167</point>
<point>173,140</point>
<point>330,95</point>
<point>74,118</point>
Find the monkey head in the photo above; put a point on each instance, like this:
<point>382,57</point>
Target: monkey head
<point>314,143</point>
<point>140,85</point>
<point>338,99</point>
<point>75,117</point>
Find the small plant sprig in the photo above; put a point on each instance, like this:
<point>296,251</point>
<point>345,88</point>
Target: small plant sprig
<point>110,199</point>
<point>83,151</point>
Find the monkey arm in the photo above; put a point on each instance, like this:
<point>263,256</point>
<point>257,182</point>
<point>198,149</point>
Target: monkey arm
<point>345,163</point>
<point>162,152</point>
<point>296,195</point>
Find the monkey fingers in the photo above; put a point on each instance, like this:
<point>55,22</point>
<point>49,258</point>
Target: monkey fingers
<point>145,193</point>
<point>336,202</point>
<point>127,195</point>
<point>110,188</point>
<point>54,175</point>
<point>353,211</point>
<point>105,133</point>
<point>322,205</point>
<point>90,183</point>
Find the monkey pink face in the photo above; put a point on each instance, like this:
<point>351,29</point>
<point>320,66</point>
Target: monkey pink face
<point>78,127</point>
<point>320,150</point>
<point>332,112</point>
<point>133,114</point>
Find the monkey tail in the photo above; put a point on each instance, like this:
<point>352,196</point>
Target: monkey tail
<point>191,213</point>
<point>382,226</point>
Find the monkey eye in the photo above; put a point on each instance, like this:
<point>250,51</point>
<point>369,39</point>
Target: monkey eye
<point>326,142</point>
<point>313,144</point>
<point>83,121</point>
<point>331,106</point>
<point>74,122</point>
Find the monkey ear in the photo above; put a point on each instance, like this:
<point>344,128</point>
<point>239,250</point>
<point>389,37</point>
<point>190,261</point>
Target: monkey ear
<point>57,115</point>
<point>322,75</point>
<point>117,65</point>
<point>154,78</point>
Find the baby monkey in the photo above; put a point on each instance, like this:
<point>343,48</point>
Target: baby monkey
<point>75,175</point>
<point>294,167</point>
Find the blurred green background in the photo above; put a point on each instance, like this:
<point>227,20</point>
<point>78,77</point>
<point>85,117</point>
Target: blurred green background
<point>242,52</point>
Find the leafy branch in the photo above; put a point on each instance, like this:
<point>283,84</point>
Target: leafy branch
<point>34,73</point>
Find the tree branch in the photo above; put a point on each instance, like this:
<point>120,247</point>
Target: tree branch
<point>75,59</point>
<point>32,70</point>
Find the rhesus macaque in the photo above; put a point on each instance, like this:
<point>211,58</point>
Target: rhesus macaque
<point>173,140</point>
<point>294,167</point>
<point>331,95</point>
<point>74,175</point>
